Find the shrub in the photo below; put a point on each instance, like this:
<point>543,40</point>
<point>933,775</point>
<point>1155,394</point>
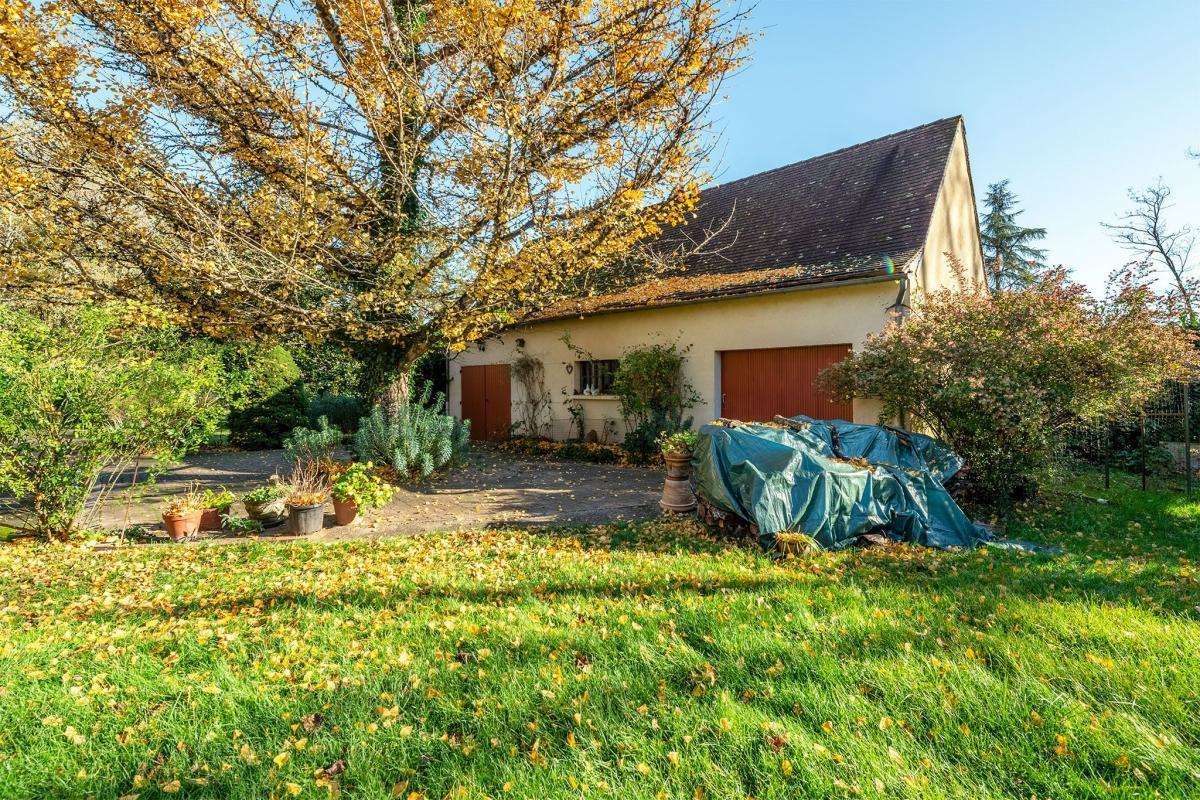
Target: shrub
<point>266,422</point>
<point>265,394</point>
<point>414,437</point>
<point>342,410</point>
<point>327,368</point>
<point>591,452</point>
<point>85,395</point>
<point>1005,378</point>
<point>308,446</point>
<point>654,395</point>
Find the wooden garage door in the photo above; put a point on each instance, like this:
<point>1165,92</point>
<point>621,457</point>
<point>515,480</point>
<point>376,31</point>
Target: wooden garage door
<point>487,400</point>
<point>758,384</point>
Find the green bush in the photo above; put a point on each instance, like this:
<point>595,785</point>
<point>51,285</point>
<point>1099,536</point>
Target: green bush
<point>266,396</point>
<point>342,410</point>
<point>83,397</point>
<point>311,446</point>
<point>1006,378</point>
<point>266,422</point>
<point>327,368</point>
<point>654,396</point>
<point>414,437</point>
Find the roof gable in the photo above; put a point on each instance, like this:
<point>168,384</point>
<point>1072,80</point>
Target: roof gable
<point>854,204</point>
<point>857,212</point>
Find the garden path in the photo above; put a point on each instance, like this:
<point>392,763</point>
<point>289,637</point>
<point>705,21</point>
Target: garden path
<point>492,489</point>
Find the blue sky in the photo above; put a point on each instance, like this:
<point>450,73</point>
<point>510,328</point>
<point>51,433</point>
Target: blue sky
<point>1074,102</point>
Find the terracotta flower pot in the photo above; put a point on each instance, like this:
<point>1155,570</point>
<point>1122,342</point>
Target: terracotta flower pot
<point>344,511</point>
<point>306,519</point>
<point>210,519</point>
<point>679,464</point>
<point>181,526</point>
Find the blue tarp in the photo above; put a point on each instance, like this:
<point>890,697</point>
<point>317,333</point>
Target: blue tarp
<point>833,481</point>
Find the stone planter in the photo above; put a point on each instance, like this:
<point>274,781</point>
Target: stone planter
<point>269,513</point>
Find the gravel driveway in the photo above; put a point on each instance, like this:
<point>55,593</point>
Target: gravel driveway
<point>492,489</point>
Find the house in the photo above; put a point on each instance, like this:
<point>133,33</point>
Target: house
<point>808,260</point>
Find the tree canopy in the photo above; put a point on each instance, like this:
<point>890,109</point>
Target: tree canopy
<point>391,172</point>
<point>1010,259</point>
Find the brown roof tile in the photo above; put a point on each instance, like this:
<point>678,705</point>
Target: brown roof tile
<point>838,216</point>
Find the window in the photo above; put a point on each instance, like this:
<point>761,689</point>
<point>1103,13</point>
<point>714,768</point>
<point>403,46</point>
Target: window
<point>595,377</point>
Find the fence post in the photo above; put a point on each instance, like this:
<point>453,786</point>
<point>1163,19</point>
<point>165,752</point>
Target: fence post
<point>1108,435</point>
<point>1187,433</point>
<point>1142,445</point>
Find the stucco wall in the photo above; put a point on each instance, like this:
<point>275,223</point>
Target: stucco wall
<point>953,227</point>
<point>844,314</point>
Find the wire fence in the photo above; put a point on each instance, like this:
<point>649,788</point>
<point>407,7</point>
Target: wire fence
<point>1155,444</point>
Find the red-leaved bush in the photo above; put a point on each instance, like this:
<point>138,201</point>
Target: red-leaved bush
<point>1004,377</point>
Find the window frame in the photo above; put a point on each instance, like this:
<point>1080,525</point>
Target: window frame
<point>598,372</point>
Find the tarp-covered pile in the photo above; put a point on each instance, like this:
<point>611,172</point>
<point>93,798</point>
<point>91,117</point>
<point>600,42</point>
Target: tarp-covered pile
<point>833,481</point>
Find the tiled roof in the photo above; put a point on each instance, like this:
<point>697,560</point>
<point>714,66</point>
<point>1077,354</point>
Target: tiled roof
<point>852,213</point>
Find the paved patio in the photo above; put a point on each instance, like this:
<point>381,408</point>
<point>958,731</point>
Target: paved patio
<point>492,489</point>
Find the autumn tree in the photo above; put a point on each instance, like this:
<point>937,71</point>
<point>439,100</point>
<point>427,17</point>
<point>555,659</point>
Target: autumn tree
<point>1010,258</point>
<point>390,173</point>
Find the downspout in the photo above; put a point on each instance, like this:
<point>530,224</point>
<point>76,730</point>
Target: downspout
<point>899,310</point>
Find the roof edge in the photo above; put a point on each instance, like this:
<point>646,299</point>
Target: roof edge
<point>800,284</point>
<point>958,117</point>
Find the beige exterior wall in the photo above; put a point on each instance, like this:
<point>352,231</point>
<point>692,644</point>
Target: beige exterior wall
<point>831,315</point>
<point>953,228</point>
<point>836,315</point>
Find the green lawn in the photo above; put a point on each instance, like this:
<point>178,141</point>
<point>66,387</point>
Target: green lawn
<point>625,662</point>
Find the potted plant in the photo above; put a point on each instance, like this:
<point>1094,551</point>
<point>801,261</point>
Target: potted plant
<point>358,488</point>
<point>181,515</point>
<point>306,502</point>
<point>677,453</point>
<point>216,504</point>
<point>267,504</point>
<point>676,450</point>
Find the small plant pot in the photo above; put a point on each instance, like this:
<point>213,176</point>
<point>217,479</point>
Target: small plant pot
<point>269,513</point>
<point>306,519</point>
<point>344,511</point>
<point>181,526</point>
<point>679,465</point>
<point>210,519</point>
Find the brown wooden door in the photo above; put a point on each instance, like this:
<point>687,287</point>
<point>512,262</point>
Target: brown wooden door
<point>486,400</point>
<point>497,399</point>
<point>758,384</point>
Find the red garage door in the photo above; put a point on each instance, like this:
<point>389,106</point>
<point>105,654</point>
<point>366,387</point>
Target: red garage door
<point>487,400</point>
<point>758,384</point>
